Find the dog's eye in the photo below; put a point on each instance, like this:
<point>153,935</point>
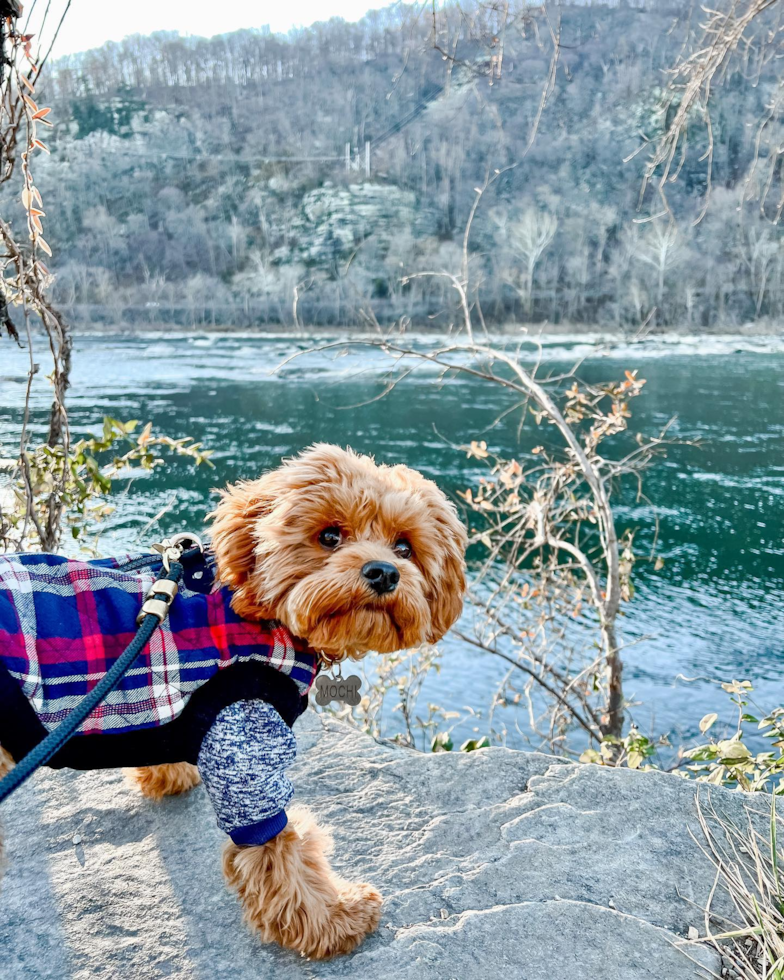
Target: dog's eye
<point>330,537</point>
<point>402,548</point>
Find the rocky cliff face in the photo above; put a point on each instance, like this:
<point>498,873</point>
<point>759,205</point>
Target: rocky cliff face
<point>493,864</point>
<point>334,221</point>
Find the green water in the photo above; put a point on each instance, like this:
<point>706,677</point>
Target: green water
<point>714,611</point>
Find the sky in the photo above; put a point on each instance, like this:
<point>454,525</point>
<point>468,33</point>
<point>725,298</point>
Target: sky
<point>89,23</point>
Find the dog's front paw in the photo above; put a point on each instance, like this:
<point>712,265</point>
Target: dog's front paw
<point>355,913</point>
<point>292,897</point>
<point>171,779</point>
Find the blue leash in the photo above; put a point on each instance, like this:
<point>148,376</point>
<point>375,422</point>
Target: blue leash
<point>55,740</point>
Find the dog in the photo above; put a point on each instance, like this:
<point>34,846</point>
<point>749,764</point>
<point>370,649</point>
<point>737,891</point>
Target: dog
<point>329,557</point>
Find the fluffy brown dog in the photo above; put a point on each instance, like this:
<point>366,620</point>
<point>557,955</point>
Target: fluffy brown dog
<point>293,546</point>
<point>352,557</point>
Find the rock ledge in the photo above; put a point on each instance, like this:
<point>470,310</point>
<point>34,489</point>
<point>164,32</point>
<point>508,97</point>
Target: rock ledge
<point>493,864</point>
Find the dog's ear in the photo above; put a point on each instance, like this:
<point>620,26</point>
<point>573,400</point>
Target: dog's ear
<point>448,581</point>
<point>236,520</point>
<point>234,540</point>
<point>449,588</point>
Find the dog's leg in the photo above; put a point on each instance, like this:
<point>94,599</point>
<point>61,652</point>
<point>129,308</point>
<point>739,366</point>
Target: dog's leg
<point>155,782</point>
<point>291,895</point>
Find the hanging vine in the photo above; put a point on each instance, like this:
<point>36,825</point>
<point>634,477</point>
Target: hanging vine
<point>30,508</point>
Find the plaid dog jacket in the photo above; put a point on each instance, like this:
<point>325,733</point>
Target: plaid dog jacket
<point>209,688</point>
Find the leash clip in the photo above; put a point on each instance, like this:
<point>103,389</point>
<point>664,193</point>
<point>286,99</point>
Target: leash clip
<point>163,590</point>
<point>171,549</point>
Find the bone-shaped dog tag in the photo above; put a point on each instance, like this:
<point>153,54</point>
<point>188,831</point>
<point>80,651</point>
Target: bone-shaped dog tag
<point>341,689</point>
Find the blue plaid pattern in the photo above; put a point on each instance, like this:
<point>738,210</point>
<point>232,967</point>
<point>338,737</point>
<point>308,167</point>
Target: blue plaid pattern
<point>63,623</point>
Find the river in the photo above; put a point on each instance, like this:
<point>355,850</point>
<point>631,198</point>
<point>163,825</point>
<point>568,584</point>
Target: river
<point>714,611</point>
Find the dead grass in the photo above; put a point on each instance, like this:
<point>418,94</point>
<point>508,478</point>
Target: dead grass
<point>748,868</point>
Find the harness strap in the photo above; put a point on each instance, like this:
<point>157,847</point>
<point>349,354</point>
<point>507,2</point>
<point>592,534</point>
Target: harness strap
<point>56,739</point>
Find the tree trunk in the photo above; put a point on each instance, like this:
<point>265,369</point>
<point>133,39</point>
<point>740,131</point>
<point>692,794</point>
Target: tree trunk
<point>58,427</point>
<point>613,716</point>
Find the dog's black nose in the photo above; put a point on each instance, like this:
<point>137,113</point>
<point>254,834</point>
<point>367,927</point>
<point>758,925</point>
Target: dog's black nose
<point>381,576</point>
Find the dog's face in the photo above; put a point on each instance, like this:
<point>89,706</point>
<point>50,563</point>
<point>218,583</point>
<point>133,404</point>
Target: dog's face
<point>350,555</point>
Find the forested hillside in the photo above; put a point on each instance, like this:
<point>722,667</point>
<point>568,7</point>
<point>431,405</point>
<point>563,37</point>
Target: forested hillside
<point>206,181</point>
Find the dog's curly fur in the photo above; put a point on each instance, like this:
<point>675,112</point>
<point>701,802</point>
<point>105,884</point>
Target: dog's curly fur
<point>156,782</point>
<point>291,895</point>
<point>265,536</point>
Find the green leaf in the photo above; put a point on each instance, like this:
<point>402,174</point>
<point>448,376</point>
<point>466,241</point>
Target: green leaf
<point>472,744</point>
<point>442,743</point>
<point>732,752</point>
<point>717,776</point>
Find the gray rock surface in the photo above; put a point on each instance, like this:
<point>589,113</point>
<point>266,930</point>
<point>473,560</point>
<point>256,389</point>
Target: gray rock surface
<point>333,220</point>
<point>493,864</point>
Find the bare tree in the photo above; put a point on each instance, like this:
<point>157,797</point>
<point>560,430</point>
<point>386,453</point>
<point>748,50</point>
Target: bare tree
<point>736,35</point>
<point>758,251</point>
<point>659,247</point>
<point>555,568</point>
<point>528,238</point>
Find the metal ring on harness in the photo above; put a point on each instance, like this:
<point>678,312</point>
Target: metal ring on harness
<point>153,613</point>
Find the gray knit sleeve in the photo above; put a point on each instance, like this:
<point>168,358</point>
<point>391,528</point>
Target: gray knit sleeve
<point>243,762</point>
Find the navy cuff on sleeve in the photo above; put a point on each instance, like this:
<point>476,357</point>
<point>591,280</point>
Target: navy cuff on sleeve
<point>261,832</point>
